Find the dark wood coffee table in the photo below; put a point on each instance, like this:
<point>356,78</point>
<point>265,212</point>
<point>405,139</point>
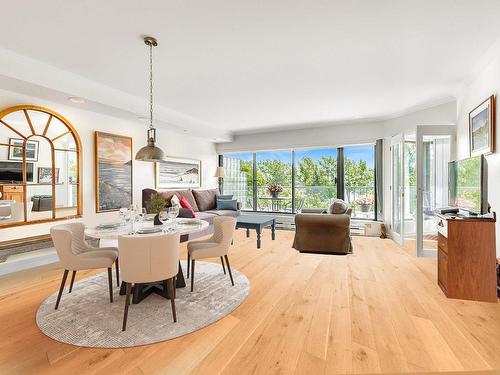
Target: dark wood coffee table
<point>257,222</point>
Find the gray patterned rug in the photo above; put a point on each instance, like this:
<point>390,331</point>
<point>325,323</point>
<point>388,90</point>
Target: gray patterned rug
<point>87,318</point>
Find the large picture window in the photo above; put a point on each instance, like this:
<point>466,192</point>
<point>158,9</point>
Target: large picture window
<point>287,181</point>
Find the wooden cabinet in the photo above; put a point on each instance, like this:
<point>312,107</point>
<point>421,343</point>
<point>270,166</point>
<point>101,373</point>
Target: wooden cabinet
<point>12,192</point>
<point>467,258</point>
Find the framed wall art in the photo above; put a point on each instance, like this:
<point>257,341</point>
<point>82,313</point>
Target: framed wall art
<point>16,149</point>
<point>113,171</point>
<point>175,173</point>
<point>482,128</point>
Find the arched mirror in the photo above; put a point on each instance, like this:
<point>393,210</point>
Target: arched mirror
<point>40,166</point>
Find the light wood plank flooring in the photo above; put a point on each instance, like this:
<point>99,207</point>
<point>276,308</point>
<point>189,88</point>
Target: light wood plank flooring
<point>376,311</point>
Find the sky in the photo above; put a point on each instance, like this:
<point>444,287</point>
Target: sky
<point>355,153</point>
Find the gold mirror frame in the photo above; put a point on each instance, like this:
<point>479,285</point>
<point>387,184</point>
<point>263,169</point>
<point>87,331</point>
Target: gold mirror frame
<point>70,130</point>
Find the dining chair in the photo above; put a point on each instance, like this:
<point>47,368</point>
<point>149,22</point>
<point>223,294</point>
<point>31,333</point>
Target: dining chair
<point>149,259</point>
<point>73,257</point>
<point>216,246</point>
<point>81,246</point>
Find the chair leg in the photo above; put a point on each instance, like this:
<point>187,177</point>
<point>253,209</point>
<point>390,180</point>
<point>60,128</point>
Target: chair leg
<point>117,267</point>
<point>192,274</point>
<point>188,261</point>
<point>127,304</point>
<point>110,282</point>
<point>61,288</point>
<point>175,288</point>
<point>72,281</point>
<point>223,266</point>
<point>229,269</point>
<point>171,292</point>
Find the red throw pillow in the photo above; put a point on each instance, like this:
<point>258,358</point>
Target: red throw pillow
<point>185,204</point>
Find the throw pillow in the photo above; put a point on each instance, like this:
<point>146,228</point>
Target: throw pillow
<point>185,204</point>
<point>186,213</point>
<point>227,204</point>
<point>338,207</point>
<point>175,201</point>
<point>224,196</point>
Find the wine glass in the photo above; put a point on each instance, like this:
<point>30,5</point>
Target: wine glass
<point>163,216</point>
<point>123,214</point>
<point>172,214</point>
<point>142,215</point>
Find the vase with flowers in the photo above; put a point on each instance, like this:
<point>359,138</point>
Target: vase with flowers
<point>365,203</point>
<point>275,190</point>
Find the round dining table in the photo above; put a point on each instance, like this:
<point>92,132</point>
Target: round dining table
<point>112,231</point>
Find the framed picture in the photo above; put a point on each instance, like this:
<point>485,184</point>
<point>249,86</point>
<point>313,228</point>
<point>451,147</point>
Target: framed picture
<point>16,149</point>
<point>45,175</point>
<point>174,173</point>
<point>482,128</point>
<point>113,171</point>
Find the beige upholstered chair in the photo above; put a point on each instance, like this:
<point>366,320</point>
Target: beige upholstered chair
<point>148,259</point>
<point>73,256</point>
<point>216,246</point>
<point>81,246</point>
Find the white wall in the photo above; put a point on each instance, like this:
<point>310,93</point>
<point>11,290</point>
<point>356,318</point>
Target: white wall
<point>485,84</point>
<point>85,122</point>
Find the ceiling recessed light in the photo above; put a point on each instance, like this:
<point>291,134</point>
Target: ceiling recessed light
<point>185,131</point>
<point>76,99</point>
<point>142,118</point>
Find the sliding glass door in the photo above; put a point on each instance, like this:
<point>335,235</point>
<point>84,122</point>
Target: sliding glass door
<point>435,149</point>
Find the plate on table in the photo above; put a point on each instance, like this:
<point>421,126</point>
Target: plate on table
<point>188,221</point>
<point>149,230</point>
<point>109,226</point>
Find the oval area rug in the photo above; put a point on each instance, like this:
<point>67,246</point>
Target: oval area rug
<point>87,318</point>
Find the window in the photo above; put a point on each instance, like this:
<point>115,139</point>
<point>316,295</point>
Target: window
<point>289,180</point>
<point>238,177</point>
<point>274,181</point>
<point>315,177</point>
<point>359,180</point>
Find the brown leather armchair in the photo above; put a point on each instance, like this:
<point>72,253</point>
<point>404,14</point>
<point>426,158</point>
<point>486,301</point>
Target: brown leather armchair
<point>318,231</point>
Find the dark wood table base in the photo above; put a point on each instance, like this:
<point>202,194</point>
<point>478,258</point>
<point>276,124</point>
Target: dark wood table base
<point>141,291</point>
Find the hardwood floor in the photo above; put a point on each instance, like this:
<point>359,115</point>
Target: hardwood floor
<point>378,310</point>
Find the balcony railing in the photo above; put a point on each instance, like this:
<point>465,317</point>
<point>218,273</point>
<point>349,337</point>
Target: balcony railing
<point>360,198</point>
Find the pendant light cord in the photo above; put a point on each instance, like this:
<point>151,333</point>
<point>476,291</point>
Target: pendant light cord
<point>150,86</point>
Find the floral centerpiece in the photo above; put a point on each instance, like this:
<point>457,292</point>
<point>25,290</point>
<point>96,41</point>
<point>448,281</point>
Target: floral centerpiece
<point>365,203</point>
<point>275,190</point>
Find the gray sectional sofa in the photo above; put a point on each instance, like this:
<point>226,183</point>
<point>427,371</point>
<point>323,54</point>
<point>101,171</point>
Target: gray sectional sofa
<point>203,203</point>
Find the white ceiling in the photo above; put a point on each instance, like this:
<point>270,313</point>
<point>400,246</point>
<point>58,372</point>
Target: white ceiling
<point>242,66</point>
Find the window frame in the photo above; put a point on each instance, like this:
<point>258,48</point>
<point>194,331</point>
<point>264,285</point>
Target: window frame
<point>340,181</point>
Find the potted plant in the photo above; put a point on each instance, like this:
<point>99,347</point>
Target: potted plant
<point>155,206</point>
<point>275,190</point>
<point>365,203</point>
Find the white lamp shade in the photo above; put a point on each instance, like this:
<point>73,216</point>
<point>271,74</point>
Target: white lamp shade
<point>219,172</point>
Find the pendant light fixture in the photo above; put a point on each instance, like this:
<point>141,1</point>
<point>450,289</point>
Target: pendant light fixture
<point>150,152</point>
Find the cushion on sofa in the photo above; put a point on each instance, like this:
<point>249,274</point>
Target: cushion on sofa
<point>189,197</point>
<point>167,195</point>
<point>185,204</point>
<point>338,207</point>
<point>205,199</point>
<point>223,204</point>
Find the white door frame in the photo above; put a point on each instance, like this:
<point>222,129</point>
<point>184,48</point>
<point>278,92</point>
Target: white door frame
<point>428,130</point>
<point>398,237</point>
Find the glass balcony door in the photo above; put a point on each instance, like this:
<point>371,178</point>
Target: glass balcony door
<point>435,149</point>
